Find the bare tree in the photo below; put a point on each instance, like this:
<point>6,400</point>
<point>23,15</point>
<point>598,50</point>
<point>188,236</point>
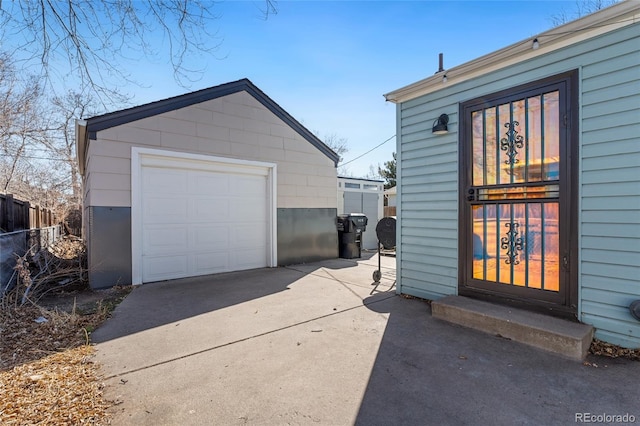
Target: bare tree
<point>21,124</point>
<point>339,145</point>
<point>90,38</point>
<point>36,142</point>
<point>61,143</point>
<point>374,172</point>
<point>582,8</point>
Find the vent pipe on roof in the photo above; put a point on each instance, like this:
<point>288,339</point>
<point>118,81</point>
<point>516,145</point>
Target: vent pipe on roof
<point>440,63</point>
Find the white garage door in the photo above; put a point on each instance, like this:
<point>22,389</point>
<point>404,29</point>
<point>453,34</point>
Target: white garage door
<point>202,218</point>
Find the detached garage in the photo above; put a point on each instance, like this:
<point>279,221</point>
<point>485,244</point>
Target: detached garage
<point>218,180</point>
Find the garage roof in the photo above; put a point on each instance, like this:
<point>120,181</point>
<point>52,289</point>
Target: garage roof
<point>117,118</point>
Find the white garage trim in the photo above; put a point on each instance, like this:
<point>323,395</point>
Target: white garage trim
<point>147,157</point>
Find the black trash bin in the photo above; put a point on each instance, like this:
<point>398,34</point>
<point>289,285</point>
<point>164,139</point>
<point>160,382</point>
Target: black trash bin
<point>350,229</point>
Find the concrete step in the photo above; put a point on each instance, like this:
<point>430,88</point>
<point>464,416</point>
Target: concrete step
<point>569,339</point>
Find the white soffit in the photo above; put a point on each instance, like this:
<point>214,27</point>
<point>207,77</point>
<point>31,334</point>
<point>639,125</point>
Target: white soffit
<point>617,16</point>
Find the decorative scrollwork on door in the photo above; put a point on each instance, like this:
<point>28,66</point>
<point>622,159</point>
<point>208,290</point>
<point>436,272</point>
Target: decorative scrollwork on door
<point>512,243</point>
<point>512,142</point>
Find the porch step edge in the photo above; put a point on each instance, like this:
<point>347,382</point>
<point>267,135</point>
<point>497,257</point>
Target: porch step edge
<point>563,337</point>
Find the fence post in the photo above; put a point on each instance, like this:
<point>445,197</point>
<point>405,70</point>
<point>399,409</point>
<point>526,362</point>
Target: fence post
<point>10,213</point>
<point>38,222</point>
<point>3,212</point>
<point>26,214</point>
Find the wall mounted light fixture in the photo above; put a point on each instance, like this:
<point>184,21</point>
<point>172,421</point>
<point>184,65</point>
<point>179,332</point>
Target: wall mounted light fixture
<point>440,125</point>
<point>535,44</point>
<point>635,309</point>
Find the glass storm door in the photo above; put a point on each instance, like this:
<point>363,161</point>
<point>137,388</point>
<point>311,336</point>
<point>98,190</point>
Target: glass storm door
<point>514,235</point>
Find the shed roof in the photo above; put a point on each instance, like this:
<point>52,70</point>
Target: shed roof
<point>603,21</point>
<point>117,118</point>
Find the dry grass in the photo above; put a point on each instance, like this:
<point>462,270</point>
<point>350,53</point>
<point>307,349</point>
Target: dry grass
<point>47,373</point>
<point>60,389</point>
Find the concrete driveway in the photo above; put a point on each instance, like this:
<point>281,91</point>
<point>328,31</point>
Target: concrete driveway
<point>319,344</point>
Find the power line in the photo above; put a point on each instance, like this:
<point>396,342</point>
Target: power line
<point>360,156</point>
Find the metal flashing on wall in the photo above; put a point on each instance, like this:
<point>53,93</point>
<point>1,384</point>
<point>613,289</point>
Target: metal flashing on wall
<point>306,235</point>
<point>109,246</point>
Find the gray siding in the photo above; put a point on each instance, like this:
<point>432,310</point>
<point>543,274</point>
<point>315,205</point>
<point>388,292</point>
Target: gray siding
<point>609,242</point>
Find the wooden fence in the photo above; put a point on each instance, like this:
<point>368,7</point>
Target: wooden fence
<point>16,215</point>
<point>389,211</point>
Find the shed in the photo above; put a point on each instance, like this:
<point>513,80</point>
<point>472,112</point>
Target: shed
<point>362,196</point>
<point>217,180</point>
<point>519,175</point>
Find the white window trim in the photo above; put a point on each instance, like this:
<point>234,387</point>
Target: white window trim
<point>148,156</point>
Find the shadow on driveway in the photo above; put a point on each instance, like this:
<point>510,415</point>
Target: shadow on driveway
<point>161,303</point>
<point>431,372</point>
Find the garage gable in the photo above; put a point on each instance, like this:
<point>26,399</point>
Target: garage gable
<point>117,118</point>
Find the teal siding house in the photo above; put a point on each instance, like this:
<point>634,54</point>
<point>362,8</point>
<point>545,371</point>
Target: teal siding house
<point>519,176</point>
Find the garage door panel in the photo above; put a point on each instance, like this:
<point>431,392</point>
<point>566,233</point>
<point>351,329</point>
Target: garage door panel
<point>209,183</point>
<point>211,262</point>
<point>165,180</point>
<point>247,210</point>
<point>209,237</point>
<point>165,267</point>
<point>159,240</point>
<point>248,236</point>
<point>210,209</point>
<point>248,186</point>
<point>163,209</point>
<point>248,259</point>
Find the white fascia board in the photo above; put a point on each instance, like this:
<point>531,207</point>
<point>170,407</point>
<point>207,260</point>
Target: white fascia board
<point>617,16</point>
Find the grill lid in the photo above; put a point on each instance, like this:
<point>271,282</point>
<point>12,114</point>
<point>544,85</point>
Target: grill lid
<point>386,232</point>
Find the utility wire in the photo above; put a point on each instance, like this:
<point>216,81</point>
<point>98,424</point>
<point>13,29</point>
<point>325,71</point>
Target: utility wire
<point>360,156</point>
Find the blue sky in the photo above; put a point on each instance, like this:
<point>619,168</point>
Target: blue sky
<point>329,63</point>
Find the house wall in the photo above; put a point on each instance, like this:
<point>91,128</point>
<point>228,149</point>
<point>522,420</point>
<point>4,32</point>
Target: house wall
<point>234,126</point>
<point>609,179</point>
